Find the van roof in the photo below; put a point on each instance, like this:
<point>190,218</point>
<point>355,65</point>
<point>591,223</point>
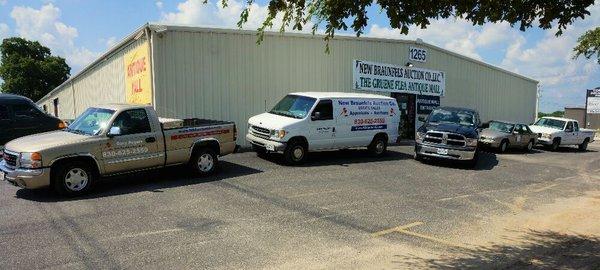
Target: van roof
<point>339,95</point>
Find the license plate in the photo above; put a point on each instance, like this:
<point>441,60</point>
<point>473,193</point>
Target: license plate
<point>1,175</point>
<point>442,151</point>
<point>270,147</point>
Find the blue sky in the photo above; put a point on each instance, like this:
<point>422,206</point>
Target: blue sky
<point>80,30</point>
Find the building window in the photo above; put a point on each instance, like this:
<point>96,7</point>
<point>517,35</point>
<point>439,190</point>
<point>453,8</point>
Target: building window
<point>55,101</point>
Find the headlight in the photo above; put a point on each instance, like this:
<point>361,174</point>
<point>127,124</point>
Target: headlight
<point>30,160</point>
<point>546,136</point>
<point>279,134</point>
<point>471,142</point>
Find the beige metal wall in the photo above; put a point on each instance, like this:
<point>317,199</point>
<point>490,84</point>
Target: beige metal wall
<point>224,74</point>
<point>101,83</point>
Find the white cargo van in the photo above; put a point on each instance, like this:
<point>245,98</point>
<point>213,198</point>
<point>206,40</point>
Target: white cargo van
<point>315,121</point>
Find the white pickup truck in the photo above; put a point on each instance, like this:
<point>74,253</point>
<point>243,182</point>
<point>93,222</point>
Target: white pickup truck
<point>555,132</point>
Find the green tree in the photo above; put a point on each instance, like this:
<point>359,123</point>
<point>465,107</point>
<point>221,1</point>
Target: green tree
<point>29,69</point>
<point>345,14</point>
<point>552,114</point>
<point>588,44</point>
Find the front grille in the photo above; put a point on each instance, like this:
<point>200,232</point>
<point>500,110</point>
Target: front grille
<point>444,138</point>
<point>260,132</point>
<point>11,159</point>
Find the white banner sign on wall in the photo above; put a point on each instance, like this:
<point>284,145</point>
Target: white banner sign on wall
<point>372,76</point>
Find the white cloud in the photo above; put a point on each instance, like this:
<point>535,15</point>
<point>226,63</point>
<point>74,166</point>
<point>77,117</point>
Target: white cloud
<point>547,59</point>
<point>194,12</point>
<point>453,34</point>
<point>4,31</point>
<point>44,25</point>
<point>159,4</point>
<point>109,42</point>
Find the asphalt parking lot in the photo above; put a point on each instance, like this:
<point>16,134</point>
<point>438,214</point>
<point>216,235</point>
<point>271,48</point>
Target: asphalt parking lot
<point>341,210</point>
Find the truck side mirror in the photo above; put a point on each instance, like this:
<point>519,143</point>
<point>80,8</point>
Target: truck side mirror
<point>316,116</point>
<point>421,118</point>
<point>114,131</point>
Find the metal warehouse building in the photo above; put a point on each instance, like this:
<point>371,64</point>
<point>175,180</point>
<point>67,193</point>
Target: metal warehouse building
<point>223,74</point>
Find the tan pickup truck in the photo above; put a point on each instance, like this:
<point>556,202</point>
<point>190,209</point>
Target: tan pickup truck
<point>110,140</point>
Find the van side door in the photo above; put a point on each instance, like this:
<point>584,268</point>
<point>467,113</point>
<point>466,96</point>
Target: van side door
<point>132,144</point>
<point>321,125</point>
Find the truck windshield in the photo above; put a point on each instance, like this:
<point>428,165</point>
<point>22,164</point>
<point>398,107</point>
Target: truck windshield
<point>461,117</point>
<point>91,122</point>
<point>502,127</point>
<point>551,123</point>
<point>294,106</point>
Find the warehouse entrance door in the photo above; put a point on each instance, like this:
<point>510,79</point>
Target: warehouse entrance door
<point>408,107</point>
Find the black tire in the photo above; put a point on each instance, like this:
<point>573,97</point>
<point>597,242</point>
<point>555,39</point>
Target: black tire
<point>583,147</point>
<point>529,146</point>
<point>473,162</point>
<point>555,144</point>
<point>295,153</point>
<point>503,146</point>
<point>204,161</point>
<point>378,146</point>
<point>74,178</point>
<point>260,151</point>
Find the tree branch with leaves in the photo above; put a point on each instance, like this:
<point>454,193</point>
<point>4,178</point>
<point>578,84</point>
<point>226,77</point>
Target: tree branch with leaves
<point>588,45</point>
<point>336,15</point>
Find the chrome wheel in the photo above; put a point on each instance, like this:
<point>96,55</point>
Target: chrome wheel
<point>206,162</point>
<point>298,153</point>
<point>76,179</point>
<point>379,147</point>
<point>530,146</point>
<point>503,147</point>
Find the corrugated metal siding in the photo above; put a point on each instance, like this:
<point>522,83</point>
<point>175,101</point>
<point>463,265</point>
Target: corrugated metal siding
<point>102,84</point>
<point>228,76</point>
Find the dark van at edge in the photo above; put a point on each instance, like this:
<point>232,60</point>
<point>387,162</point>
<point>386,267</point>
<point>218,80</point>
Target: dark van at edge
<point>449,133</point>
<point>19,117</point>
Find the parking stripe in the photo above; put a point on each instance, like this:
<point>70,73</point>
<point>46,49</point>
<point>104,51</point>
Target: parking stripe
<point>396,229</point>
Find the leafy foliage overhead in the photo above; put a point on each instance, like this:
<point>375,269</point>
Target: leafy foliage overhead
<point>29,69</point>
<point>588,44</point>
<point>352,14</point>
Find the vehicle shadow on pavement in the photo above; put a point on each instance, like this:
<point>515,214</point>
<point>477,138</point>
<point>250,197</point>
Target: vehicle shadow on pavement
<point>151,181</point>
<point>514,152</point>
<point>340,157</point>
<point>534,250</point>
<point>487,161</point>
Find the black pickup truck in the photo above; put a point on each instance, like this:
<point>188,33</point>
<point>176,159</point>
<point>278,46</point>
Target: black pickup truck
<point>19,117</point>
<point>449,133</point>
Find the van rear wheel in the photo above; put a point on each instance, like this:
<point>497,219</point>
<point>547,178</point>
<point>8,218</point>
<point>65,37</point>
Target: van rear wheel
<point>378,146</point>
